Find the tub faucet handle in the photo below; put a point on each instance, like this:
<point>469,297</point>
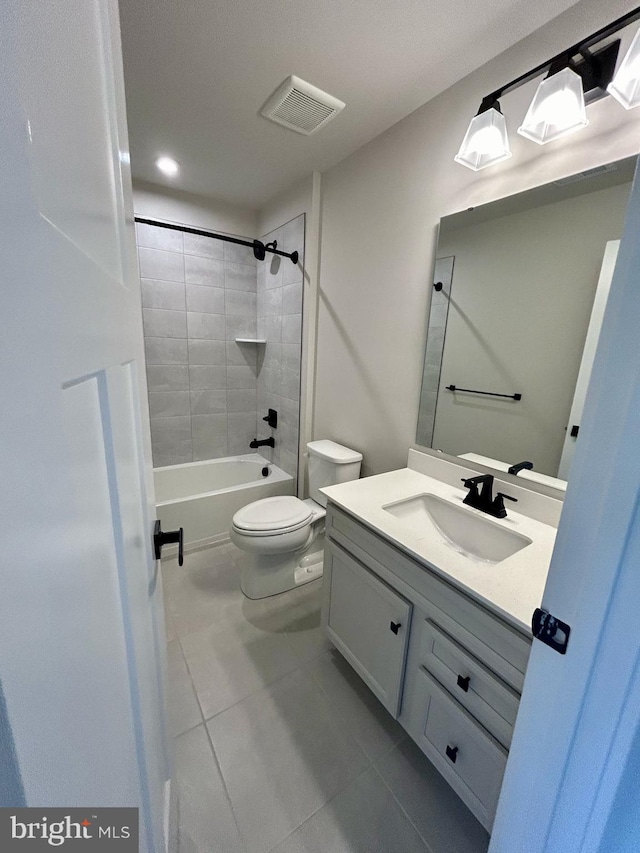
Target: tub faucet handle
<point>272,418</point>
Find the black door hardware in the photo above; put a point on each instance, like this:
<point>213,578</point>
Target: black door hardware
<point>272,418</point>
<point>395,626</point>
<point>484,393</point>
<point>265,471</point>
<point>264,442</point>
<point>550,630</point>
<point>463,683</point>
<point>452,753</point>
<point>437,285</point>
<point>167,537</point>
<point>575,429</point>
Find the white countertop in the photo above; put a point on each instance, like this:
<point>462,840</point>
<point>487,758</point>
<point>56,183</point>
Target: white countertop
<point>512,588</point>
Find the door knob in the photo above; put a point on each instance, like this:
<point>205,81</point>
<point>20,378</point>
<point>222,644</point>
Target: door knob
<point>395,627</point>
<point>167,537</point>
<point>452,753</point>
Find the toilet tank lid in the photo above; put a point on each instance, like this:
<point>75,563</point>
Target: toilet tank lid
<point>337,453</point>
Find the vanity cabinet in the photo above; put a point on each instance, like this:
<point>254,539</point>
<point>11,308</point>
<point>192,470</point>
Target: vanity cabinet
<point>369,623</point>
<point>453,672</point>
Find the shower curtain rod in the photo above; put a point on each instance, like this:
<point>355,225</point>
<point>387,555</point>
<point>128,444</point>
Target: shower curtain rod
<point>259,248</point>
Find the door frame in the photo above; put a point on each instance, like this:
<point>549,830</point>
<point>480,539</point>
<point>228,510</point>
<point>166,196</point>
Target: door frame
<point>580,711</point>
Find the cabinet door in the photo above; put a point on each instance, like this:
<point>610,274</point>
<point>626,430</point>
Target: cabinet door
<point>369,624</point>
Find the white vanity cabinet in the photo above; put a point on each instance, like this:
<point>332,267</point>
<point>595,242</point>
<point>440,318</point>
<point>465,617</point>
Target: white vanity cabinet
<point>451,674</point>
<point>369,623</point>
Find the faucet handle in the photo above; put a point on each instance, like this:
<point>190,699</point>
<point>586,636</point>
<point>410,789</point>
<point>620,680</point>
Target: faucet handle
<point>498,510</point>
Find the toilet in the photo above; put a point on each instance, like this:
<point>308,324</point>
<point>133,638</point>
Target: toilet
<point>283,537</point>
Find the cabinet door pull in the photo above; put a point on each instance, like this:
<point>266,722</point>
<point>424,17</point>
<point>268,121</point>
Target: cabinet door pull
<point>452,753</point>
<point>463,683</point>
<point>395,626</point>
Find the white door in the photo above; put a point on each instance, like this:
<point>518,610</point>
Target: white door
<point>588,354</point>
<point>81,634</point>
<point>565,789</point>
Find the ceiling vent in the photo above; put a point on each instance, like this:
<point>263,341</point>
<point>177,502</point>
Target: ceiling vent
<point>301,107</point>
<point>589,173</point>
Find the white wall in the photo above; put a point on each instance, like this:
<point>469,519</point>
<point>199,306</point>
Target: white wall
<point>380,210</point>
<point>286,206</point>
<point>160,202</point>
<point>521,299</point>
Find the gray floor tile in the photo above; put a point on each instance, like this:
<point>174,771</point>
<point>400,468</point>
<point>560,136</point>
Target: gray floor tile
<point>184,711</point>
<point>283,753</point>
<point>364,818</point>
<point>205,818</point>
<point>373,727</point>
<point>230,662</point>
<point>297,613</point>
<point>201,591</point>
<point>439,815</point>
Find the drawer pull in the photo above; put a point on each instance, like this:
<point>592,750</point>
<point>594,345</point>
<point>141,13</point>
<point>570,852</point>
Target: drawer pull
<point>463,683</point>
<point>395,626</point>
<point>452,753</point>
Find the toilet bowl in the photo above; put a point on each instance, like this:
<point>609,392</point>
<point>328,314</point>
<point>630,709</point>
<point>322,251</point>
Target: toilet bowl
<point>283,543</point>
<point>282,538</point>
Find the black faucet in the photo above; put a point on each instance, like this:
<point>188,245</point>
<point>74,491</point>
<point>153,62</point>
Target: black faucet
<point>483,499</point>
<point>265,442</point>
<point>521,466</point>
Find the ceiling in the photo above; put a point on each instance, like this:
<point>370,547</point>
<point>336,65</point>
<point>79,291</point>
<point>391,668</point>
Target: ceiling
<point>197,73</point>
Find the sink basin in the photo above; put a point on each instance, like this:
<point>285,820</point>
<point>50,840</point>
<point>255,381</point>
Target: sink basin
<point>464,531</point>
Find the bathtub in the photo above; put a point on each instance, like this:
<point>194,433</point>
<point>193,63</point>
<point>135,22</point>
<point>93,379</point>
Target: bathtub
<point>202,497</point>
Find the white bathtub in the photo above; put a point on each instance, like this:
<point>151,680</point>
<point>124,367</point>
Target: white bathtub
<point>202,497</point>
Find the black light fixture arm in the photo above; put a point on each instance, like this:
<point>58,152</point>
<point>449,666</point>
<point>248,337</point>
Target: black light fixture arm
<point>259,248</point>
<point>581,48</point>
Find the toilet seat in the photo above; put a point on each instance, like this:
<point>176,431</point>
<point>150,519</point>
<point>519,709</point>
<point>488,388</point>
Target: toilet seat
<point>272,516</point>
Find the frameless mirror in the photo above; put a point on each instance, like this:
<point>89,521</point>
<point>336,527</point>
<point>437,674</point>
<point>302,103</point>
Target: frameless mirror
<point>520,288</point>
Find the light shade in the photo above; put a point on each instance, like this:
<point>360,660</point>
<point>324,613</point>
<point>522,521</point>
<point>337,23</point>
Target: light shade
<point>485,142</point>
<point>625,86</point>
<point>557,108</point>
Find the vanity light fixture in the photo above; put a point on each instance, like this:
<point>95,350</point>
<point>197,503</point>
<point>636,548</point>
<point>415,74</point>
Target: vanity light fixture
<point>625,86</point>
<point>574,78</point>
<point>557,108</point>
<point>485,142</point>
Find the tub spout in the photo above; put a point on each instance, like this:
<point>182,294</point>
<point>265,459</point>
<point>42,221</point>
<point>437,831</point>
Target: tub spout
<point>265,442</point>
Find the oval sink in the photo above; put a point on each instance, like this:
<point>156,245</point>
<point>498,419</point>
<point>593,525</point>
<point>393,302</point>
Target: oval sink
<point>467,533</point>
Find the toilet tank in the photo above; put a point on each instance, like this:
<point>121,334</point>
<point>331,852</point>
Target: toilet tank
<point>330,464</point>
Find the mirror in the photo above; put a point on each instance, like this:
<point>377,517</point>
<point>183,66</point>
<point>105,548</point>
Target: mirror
<point>520,287</point>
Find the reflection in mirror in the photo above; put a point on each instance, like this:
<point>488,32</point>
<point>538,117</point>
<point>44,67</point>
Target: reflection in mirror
<point>520,288</point>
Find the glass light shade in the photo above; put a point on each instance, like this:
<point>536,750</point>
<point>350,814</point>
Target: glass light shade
<point>625,86</point>
<point>485,142</point>
<point>556,109</point>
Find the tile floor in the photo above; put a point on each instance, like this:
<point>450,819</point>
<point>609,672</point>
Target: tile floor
<point>279,745</point>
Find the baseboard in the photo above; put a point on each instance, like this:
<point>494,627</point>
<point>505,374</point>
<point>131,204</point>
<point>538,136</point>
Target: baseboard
<point>196,545</point>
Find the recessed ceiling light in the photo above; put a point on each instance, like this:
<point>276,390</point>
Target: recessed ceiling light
<point>168,166</point>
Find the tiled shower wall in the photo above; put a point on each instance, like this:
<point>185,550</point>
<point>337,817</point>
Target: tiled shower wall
<point>198,295</point>
<point>279,312</point>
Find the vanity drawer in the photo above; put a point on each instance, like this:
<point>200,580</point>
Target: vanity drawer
<point>503,648</point>
<point>492,702</point>
<point>469,758</point>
